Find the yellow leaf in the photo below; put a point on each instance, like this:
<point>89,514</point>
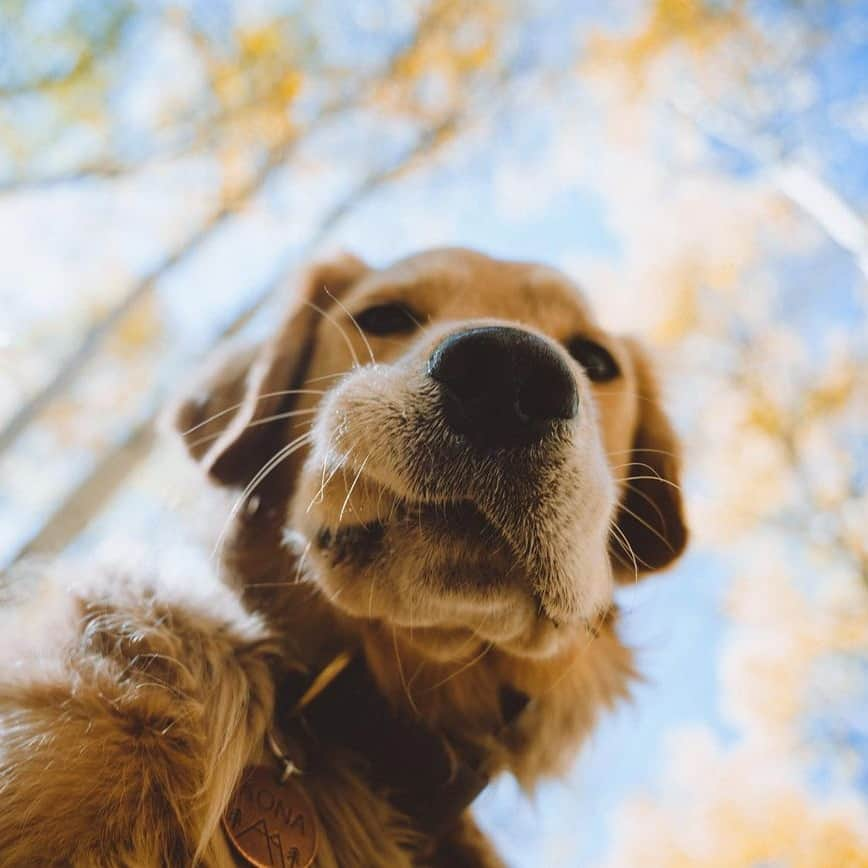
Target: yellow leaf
<point>139,328</point>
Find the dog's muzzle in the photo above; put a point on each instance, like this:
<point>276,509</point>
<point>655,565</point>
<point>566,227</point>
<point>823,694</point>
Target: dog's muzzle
<point>501,387</point>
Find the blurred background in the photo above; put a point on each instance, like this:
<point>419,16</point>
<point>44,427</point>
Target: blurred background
<point>699,166</point>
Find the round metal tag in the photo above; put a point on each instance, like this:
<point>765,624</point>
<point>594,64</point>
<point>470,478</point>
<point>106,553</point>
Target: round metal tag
<point>271,824</point>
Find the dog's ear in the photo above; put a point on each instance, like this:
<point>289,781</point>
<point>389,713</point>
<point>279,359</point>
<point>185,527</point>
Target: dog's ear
<point>651,528</point>
<point>222,419</point>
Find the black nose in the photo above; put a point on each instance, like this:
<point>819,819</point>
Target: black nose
<point>503,386</point>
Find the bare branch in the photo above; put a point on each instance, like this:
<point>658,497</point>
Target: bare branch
<point>71,367</point>
<point>835,216</point>
<point>102,171</point>
<point>804,188</point>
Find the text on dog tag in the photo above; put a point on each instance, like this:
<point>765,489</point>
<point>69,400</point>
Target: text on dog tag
<point>271,824</point>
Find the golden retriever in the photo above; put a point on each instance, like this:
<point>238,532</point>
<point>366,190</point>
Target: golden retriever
<point>445,467</point>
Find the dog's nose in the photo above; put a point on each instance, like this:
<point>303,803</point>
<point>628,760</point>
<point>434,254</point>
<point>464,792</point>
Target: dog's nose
<point>502,387</point>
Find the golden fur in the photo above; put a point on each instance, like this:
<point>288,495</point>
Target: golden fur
<point>130,701</point>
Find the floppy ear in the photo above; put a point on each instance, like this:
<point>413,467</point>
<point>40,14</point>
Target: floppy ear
<point>217,419</point>
<point>650,515</point>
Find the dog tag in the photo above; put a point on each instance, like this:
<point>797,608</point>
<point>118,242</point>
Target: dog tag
<point>271,824</point>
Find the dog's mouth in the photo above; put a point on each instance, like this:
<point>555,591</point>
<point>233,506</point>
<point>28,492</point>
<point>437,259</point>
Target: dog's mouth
<point>461,520</point>
<point>460,525</point>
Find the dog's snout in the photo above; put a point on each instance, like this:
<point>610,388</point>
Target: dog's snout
<point>502,387</point>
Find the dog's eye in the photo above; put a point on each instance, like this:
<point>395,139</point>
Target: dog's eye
<point>387,319</point>
<point>596,360</point>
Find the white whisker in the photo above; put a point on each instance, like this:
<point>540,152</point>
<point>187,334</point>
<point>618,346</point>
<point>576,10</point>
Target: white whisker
<point>340,328</point>
<point>668,482</point>
<point>320,495</point>
<point>371,596</point>
<point>633,449</point>
<point>488,646</point>
<point>637,464</point>
<point>401,674</point>
<point>350,491</point>
<point>625,543</point>
<point>645,524</point>
<point>263,421</point>
<point>650,501</point>
<point>326,377</point>
<point>259,398</point>
<point>281,455</point>
<point>340,304</point>
<point>301,561</point>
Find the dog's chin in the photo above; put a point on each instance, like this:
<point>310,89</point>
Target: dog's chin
<point>454,628</point>
<point>441,573</point>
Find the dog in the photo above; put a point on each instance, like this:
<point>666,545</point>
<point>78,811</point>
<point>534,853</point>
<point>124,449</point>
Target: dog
<point>442,469</point>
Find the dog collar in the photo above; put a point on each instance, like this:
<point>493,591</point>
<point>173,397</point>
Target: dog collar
<point>427,776</point>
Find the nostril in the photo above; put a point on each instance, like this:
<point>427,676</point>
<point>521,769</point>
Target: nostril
<point>467,368</point>
<point>503,386</point>
<point>549,392</point>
